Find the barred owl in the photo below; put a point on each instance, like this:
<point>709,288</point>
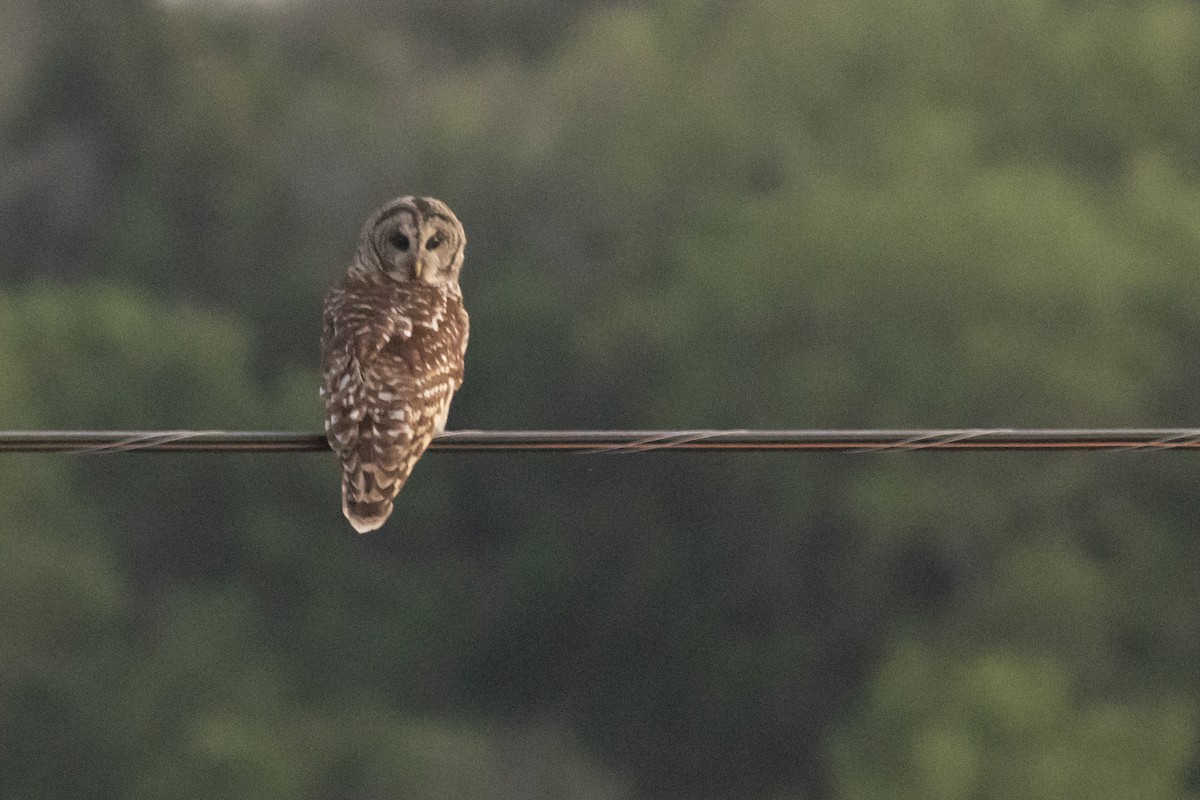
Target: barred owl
<point>394,332</point>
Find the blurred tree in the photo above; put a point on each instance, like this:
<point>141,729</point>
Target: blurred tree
<point>150,614</point>
<point>751,213</point>
<point>1000,725</point>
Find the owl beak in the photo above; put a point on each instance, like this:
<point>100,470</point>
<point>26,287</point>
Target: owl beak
<point>418,267</point>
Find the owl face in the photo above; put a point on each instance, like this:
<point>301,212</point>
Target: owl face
<point>415,239</point>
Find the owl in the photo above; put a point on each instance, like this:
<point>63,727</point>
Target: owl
<point>394,332</point>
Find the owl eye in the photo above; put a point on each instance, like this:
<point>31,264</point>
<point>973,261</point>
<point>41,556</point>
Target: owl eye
<point>399,241</point>
<point>434,242</point>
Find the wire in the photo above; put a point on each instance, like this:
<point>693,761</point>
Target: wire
<point>623,441</point>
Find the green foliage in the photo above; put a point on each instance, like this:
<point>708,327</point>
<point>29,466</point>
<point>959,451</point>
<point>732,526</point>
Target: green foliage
<point>756,213</point>
<point>998,725</point>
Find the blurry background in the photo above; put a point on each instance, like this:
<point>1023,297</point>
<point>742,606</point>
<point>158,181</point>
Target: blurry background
<point>746,213</point>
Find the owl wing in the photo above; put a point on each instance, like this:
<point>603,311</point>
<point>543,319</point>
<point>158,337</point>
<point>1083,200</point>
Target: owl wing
<point>392,359</point>
<point>355,328</point>
<point>465,327</point>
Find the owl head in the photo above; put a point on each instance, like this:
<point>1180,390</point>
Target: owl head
<point>413,239</point>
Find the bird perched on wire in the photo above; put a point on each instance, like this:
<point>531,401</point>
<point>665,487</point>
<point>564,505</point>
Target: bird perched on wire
<point>394,332</point>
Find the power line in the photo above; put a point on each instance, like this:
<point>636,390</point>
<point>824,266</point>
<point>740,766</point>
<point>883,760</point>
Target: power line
<point>627,441</point>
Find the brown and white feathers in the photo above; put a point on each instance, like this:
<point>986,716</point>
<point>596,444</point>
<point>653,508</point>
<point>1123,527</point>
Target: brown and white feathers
<point>393,337</point>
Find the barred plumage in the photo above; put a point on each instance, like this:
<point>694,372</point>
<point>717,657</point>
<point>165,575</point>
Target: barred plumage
<point>393,338</point>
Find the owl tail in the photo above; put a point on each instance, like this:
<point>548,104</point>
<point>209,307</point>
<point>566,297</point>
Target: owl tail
<point>366,502</point>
